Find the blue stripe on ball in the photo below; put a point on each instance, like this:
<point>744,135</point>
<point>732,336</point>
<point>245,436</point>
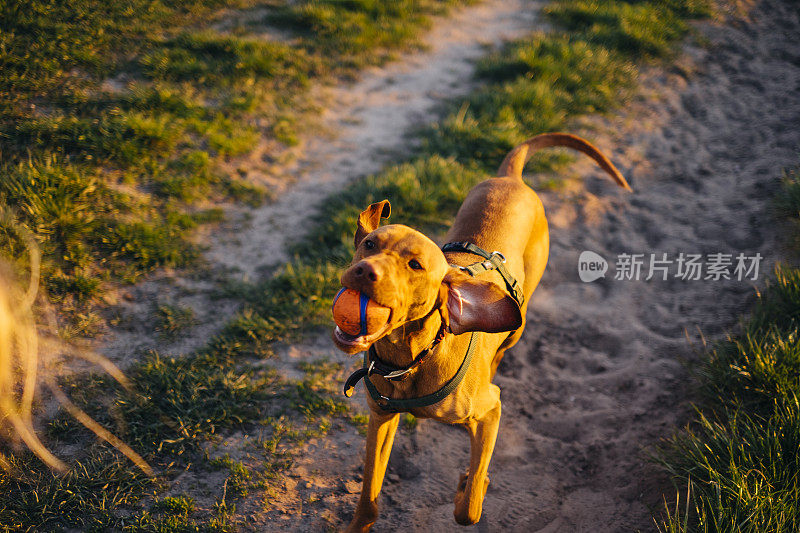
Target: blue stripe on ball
<point>363,301</point>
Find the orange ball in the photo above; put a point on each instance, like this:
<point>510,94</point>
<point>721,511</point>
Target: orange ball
<point>357,315</point>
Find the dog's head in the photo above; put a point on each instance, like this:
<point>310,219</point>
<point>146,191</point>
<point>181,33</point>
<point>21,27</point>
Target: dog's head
<point>402,269</point>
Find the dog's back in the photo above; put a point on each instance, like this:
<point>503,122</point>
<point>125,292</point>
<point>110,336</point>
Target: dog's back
<point>504,214</point>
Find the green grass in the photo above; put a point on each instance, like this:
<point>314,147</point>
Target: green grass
<point>211,59</point>
<point>172,319</point>
<point>739,456</point>
<point>349,29</point>
<point>239,479</point>
<point>179,407</point>
<point>87,497</point>
<point>108,173</point>
<point>409,421</point>
<point>176,410</point>
<point>173,514</point>
<point>788,204</point>
<point>647,28</point>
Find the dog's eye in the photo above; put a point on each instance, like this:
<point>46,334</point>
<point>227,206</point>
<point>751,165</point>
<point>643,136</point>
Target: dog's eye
<point>369,245</point>
<point>415,264</point>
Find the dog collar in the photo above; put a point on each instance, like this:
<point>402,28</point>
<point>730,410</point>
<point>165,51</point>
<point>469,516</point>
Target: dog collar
<point>375,365</point>
<point>399,405</point>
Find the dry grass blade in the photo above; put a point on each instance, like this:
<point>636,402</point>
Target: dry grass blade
<point>19,352</point>
<point>97,429</point>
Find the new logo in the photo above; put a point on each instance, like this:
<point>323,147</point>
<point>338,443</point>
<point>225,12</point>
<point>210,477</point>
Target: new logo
<point>591,266</point>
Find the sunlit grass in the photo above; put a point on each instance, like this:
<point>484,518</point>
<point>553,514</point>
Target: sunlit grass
<point>353,30</point>
<point>644,28</point>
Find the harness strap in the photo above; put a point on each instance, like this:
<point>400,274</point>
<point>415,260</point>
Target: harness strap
<point>397,405</point>
<point>494,261</point>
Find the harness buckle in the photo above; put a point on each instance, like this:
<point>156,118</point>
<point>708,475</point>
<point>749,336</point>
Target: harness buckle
<point>397,373</point>
<point>501,256</point>
<point>385,403</point>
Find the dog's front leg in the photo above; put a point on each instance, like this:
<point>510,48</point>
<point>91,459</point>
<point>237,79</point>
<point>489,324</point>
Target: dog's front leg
<point>380,436</point>
<point>469,496</point>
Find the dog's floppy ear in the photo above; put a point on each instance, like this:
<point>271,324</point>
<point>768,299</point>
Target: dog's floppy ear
<point>370,219</point>
<point>472,304</point>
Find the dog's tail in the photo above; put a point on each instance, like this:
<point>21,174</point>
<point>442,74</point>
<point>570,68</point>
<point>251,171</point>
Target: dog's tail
<point>515,160</point>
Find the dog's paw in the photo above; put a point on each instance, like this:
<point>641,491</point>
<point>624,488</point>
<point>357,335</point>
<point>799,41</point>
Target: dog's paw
<point>359,526</point>
<point>466,516</point>
<point>468,507</point>
<point>364,517</point>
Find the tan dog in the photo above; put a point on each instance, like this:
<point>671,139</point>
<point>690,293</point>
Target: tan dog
<point>406,271</point>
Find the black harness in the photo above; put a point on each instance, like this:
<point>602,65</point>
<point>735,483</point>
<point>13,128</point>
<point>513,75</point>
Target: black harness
<point>494,261</point>
<point>374,365</point>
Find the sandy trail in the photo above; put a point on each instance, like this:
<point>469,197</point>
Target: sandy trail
<point>597,378</point>
<point>365,125</point>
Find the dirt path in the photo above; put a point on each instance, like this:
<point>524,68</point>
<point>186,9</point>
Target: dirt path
<point>597,376</point>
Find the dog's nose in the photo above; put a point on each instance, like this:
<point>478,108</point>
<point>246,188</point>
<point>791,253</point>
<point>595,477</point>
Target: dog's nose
<point>367,272</point>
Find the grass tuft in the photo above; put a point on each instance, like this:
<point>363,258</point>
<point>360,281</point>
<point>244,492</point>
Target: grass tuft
<point>739,457</point>
<point>348,30</point>
<point>641,28</point>
<point>86,498</point>
<point>172,319</point>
